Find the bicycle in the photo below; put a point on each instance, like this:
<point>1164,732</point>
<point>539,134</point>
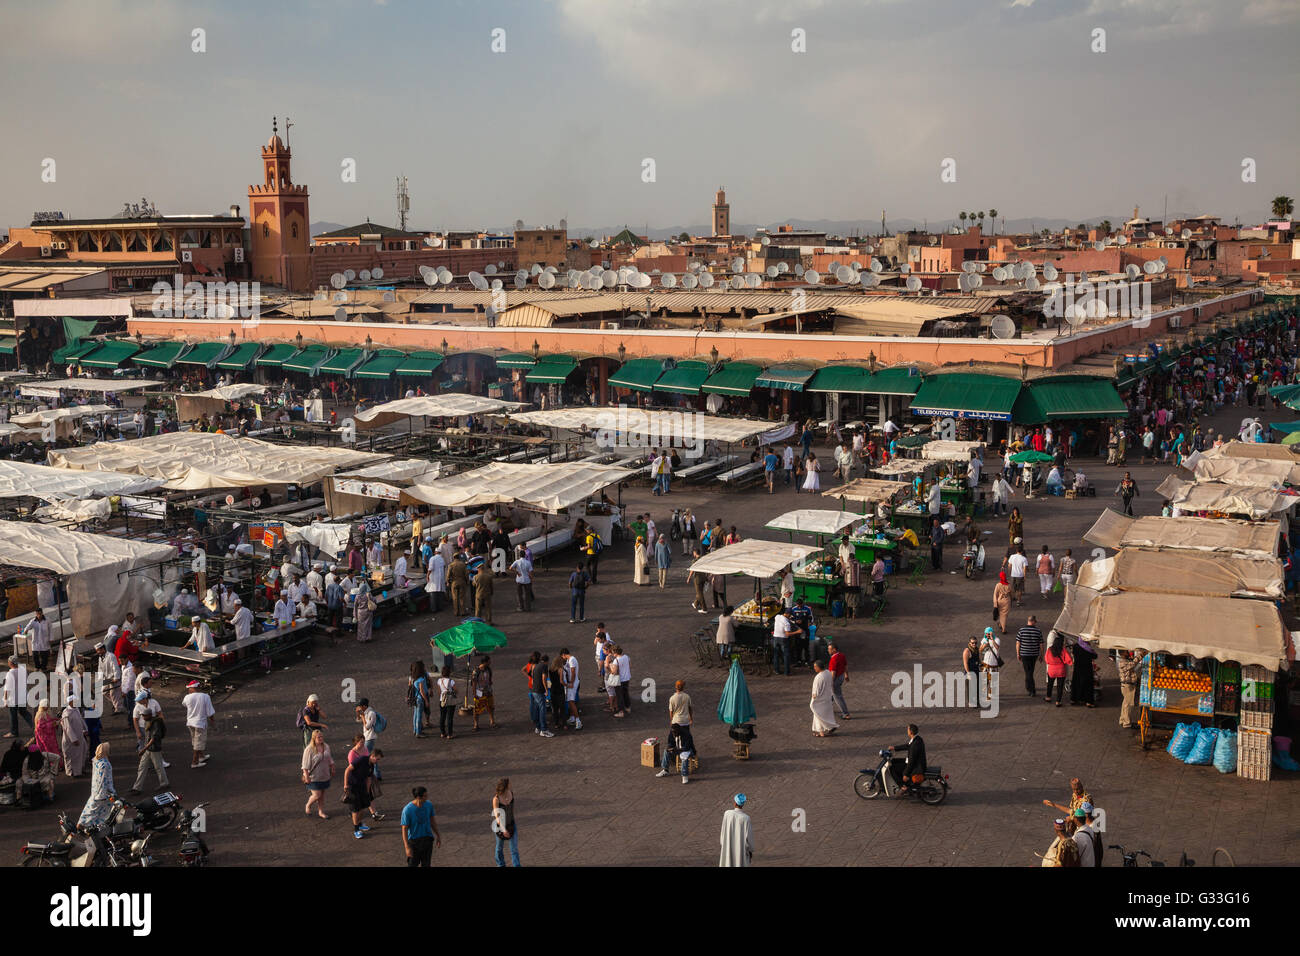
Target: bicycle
<point>1131,858</point>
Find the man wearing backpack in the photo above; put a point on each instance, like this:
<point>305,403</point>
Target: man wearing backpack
<point>1086,837</point>
<point>372,723</point>
<point>578,582</point>
<point>1063,852</point>
<point>593,546</point>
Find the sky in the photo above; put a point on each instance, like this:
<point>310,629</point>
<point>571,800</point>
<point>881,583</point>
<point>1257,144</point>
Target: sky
<point>562,121</point>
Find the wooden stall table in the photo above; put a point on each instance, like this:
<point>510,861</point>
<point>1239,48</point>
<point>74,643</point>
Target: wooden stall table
<point>231,656</point>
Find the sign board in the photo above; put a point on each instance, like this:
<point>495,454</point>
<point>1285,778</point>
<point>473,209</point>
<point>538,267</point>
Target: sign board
<point>962,413</point>
<point>230,500</point>
<point>376,524</point>
<point>367,489</point>
<point>136,507</point>
<point>269,533</point>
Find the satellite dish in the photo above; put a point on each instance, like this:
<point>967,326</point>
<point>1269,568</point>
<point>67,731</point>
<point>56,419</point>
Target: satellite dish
<point>349,274</point>
<point>1163,260</point>
<point>521,282</point>
<point>497,285</point>
<point>593,244</point>
<point>340,314</point>
<point>609,278</point>
<point>573,282</point>
<point>966,282</point>
<point>1099,245</point>
<point>979,280</point>
<point>738,282</point>
<point>643,281</point>
<point>1121,240</point>
<point>1031,284</point>
<point>340,297</point>
<point>706,280</point>
<point>436,242</point>
<point>338,280</point>
<point>1169,230</point>
<point>1186,234</point>
<point>501,264</point>
<point>981,267</point>
<point>913,284</point>
<point>1002,327</point>
<point>1163,266</point>
<point>843,274</point>
<point>1151,267</point>
<point>737,264</point>
<point>1000,274</point>
<point>765,241</point>
<point>490,312</point>
<point>798,270</point>
<point>905,268</point>
<point>491,269</point>
<point>389,297</point>
<point>876,265</point>
<point>477,281</point>
<point>535,269</point>
<point>430,277</point>
<point>1132,270</point>
<point>783,267</point>
<point>668,280</point>
<point>771,272</point>
<point>365,275</point>
<point>811,277</point>
<point>968,266</point>
<point>425,270</point>
<point>753,280</point>
<point>1049,272</point>
<point>869,250</point>
<point>688,281</point>
<point>445,277</point>
<point>551,269</point>
<point>1150,234</point>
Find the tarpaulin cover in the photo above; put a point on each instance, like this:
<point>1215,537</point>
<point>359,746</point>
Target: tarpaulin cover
<point>19,479</point>
<point>52,388</point>
<point>1253,472</point>
<point>754,557</point>
<point>549,487</point>
<point>869,490</point>
<point>453,405</point>
<point>356,492</point>
<point>809,521</point>
<point>902,466</point>
<point>1245,449</point>
<point>100,591</point>
<point>198,460</point>
<point>950,450</point>
<point>657,427</point>
<point>1227,499</point>
<point>1073,619</point>
<point>1185,572</point>
<point>1226,629</point>
<point>1254,539</point>
<point>330,538</point>
<point>191,405</point>
<point>72,412</point>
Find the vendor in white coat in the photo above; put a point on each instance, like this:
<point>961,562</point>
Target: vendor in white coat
<point>399,571</point>
<point>242,620</point>
<point>436,585</point>
<point>283,612</point>
<point>316,583</point>
<point>200,637</point>
<point>185,604</point>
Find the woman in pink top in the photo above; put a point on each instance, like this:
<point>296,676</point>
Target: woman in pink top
<point>1058,662</point>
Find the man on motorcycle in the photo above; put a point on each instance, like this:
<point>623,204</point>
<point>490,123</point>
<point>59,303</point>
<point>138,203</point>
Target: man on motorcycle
<point>906,768</point>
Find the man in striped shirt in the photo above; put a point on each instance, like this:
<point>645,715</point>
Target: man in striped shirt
<point>1029,647</point>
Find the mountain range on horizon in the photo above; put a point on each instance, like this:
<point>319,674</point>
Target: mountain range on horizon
<point>847,228</point>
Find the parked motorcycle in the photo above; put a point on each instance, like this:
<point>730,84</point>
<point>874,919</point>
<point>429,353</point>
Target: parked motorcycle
<point>972,559</point>
<point>115,843</point>
<point>158,812</point>
<point>675,531</point>
<point>871,783</point>
<point>193,852</point>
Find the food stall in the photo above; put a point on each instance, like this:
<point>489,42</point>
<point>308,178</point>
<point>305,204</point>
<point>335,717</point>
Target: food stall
<point>955,456</point>
<point>874,536</point>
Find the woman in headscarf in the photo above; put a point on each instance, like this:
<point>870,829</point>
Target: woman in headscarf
<point>640,571</point>
<point>1081,685</point>
<point>1002,600</point>
<point>75,743</point>
<point>1015,526</point>
<point>823,711</point>
<point>102,791</point>
<point>364,612</point>
<point>47,735</point>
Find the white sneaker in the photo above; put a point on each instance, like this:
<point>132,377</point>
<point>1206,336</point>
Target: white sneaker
<point>166,764</point>
<point>686,779</point>
<point>662,773</point>
<point>546,733</point>
<point>577,725</point>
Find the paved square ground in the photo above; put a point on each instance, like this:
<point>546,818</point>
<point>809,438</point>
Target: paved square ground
<point>584,799</point>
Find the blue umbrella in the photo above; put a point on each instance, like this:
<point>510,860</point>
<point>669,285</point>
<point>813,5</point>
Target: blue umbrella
<point>736,706</point>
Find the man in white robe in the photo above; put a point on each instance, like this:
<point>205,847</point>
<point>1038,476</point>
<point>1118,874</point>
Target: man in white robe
<point>821,705</point>
<point>737,837</point>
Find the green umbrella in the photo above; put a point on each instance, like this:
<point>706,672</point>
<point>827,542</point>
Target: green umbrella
<point>1292,439</point>
<point>1292,403</point>
<point>736,706</point>
<point>472,636</point>
<point>1029,456</point>
<point>1283,392</point>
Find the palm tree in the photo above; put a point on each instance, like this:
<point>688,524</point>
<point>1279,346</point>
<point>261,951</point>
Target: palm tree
<point>1283,207</point>
<point>993,214</point>
<point>980,216</point>
<point>962,217</point>
<point>1104,226</point>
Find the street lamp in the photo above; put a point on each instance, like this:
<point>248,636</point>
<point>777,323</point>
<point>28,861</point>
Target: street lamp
<point>232,336</point>
<point>622,352</point>
<point>444,346</point>
<point>369,343</point>
<point>713,354</point>
<point>298,339</point>
<point>537,350</point>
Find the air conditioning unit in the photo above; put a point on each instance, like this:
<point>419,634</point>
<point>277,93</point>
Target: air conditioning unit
<point>60,245</point>
<point>239,254</point>
<point>46,252</point>
<point>187,256</point>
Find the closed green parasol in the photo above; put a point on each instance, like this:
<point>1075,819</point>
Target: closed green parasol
<point>736,706</point>
<point>1029,456</point>
<point>472,636</point>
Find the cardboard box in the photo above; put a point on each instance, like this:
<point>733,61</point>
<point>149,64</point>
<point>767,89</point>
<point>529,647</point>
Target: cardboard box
<point>650,754</point>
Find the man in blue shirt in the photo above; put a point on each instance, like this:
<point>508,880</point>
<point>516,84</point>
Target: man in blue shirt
<point>420,829</point>
<point>770,464</point>
<point>801,616</point>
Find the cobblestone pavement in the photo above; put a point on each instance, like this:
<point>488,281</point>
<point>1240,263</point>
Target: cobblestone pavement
<point>584,799</point>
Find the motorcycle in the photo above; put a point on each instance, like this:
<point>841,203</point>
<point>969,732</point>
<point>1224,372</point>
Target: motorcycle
<point>158,812</point>
<point>871,783</point>
<point>675,531</point>
<point>972,559</point>
<point>115,843</point>
<point>193,852</point>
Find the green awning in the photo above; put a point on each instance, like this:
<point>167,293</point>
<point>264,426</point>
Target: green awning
<point>305,361</point>
<point>344,362</point>
<point>1125,380</point>
<point>552,370</point>
<point>419,364</point>
<point>734,378</point>
<point>915,441</point>
<point>275,356</point>
<point>110,354</point>
<point>1285,428</point>
<point>895,381</point>
<point>685,379</point>
<point>791,378</point>
<point>515,360</point>
<point>638,374</point>
<point>847,379</point>
<point>382,364</point>
<point>162,355</point>
<point>70,353</point>
<point>241,357</point>
<point>8,345</point>
<point>205,353</point>
<point>1068,396</point>
<point>967,395</point>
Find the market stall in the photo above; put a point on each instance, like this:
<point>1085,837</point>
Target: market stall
<point>359,491</point>
<point>1220,500</point>
<point>190,406</point>
<point>452,405</point>
<point>1257,539</point>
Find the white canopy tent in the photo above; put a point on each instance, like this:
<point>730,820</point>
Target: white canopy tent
<point>194,461</point>
<point>547,487</point>
<point>1251,472</point>
<point>214,401</point>
<point>353,492</point>
<point>103,573</point>
<point>810,521</point>
<point>56,387</point>
<point>754,557</point>
<point>1185,572</point>
<point>332,538</point>
<point>1257,539</point>
<point>453,405</point>
<point>943,450</point>
<point>19,479</point>
<point>637,428</point>
<point>869,491</point>
<point>1227,499</point>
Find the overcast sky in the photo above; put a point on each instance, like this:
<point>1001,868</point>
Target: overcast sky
<point>560,123</point>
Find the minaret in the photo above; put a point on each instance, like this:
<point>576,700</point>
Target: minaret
<point>280,225</point>
<point>721,214</point>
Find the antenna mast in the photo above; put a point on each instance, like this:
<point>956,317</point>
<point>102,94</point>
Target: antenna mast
<point>403,202</point>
